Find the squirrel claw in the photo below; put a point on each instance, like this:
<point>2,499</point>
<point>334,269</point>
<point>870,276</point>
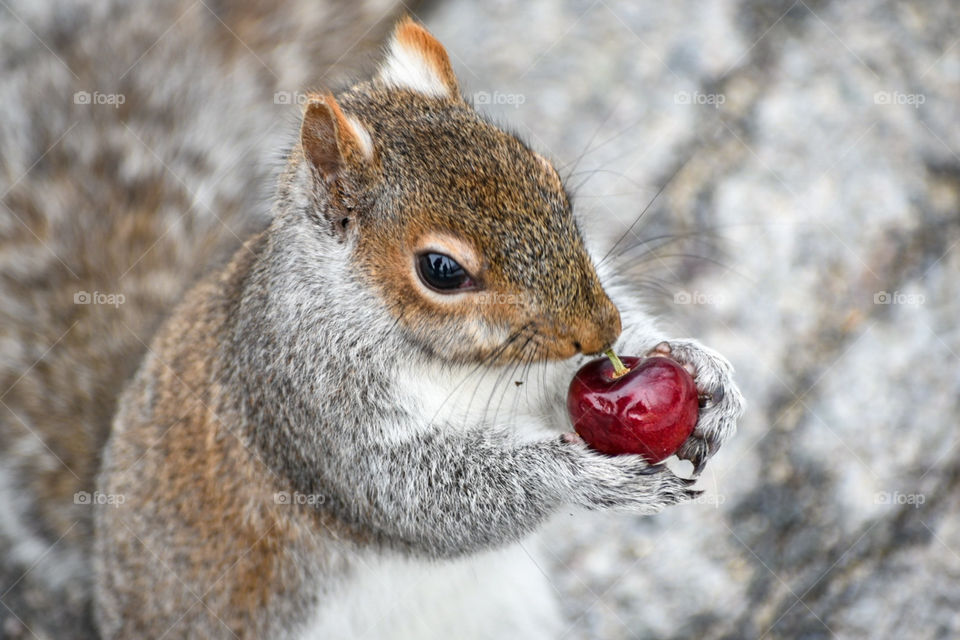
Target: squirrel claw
<point>698,451</point>
<point>662,349</point>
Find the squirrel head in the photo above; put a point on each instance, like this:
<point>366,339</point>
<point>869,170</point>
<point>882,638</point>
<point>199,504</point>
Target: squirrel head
<point>465,234</point>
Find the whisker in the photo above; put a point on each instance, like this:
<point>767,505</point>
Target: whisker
<point>688,256</point>
<point>596,132</point>
<point>666,183</point>
<point>589,173</point>
<point>668,239</point>
<point>511,372</point>
<point>513,338</point>
<point>534,364</point>
<point>483,362</point>
<point>653,285</point>
<point>523,378</point>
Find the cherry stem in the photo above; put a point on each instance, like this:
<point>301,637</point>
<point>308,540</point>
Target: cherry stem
<point>619,368</point>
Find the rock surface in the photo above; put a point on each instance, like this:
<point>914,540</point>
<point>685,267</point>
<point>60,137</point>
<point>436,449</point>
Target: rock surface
<point>811,232</point>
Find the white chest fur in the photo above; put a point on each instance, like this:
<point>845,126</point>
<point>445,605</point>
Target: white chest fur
<point>522,399</point>
<point>496,594</point>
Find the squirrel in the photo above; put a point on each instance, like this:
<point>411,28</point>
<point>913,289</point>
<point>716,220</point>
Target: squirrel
<point>314,443</point>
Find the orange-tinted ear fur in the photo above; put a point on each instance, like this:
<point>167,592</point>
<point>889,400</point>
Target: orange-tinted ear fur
<point>417,61</point>
<point>331,140</point>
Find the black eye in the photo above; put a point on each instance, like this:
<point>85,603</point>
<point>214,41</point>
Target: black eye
<point>443,273</point>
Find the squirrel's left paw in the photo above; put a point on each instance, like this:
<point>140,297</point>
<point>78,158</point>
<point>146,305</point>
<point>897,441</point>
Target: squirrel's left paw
<point>721,403</point>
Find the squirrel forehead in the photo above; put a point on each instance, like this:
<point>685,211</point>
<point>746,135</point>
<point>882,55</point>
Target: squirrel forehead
<point>414,133</point>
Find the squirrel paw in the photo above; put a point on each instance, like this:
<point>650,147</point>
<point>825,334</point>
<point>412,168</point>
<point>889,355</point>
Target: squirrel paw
<point>625,482</point>
<point>721,403</point>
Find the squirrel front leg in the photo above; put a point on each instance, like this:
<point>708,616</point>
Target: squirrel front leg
<point>449,492</point>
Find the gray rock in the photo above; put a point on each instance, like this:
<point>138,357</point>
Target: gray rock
<point>813,224</point>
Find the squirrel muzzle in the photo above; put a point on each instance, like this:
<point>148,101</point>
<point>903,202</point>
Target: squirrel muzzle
<point>589,333</point>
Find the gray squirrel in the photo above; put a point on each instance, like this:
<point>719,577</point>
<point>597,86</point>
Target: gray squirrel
<point>307,448</point>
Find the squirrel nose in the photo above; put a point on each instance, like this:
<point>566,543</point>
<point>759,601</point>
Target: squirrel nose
<point>598,333</point>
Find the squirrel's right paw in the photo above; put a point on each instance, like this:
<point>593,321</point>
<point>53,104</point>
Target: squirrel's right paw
<point>624,482</point>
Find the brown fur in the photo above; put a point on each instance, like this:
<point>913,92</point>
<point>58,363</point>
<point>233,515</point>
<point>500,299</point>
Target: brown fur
<point>229,549</point>
<point>410,34</point>
<point>97,198</point>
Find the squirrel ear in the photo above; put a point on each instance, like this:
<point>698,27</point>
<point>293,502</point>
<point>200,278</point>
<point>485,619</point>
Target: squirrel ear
<point>331,140</point>
<point>417,61</point>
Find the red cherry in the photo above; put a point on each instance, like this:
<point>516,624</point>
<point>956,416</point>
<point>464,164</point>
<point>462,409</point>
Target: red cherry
<point>650,408</point>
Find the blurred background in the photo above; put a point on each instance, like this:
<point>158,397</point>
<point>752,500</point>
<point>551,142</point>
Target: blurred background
<point>807,160</point>
<point>811,233</point>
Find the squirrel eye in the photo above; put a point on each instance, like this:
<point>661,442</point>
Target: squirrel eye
<point>442,273</point>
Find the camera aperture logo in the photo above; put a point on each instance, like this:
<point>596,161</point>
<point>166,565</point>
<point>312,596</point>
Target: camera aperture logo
<point>896,498</point>
<point>697,297</point>
<point>290,97</point>
<point>99,498</point>
<point>506,99</point>
<point>96,98</point>
<point>97,297</point>
<point>696,98</point>
<point>898,297</point>
<point>899,98</point>
<point>295,497</point>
